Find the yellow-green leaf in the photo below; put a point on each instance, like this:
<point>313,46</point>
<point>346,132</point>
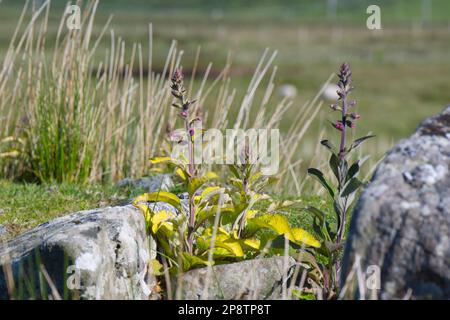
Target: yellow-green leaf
<point>155,267</point>
<point>197,182</point>
<point>255,177</point>
<point>157,160</point>
<point>223,240</point>
<point>163,196</point>
<point>252,243</point>
<point>211,211</point>
<point>209,191</point>
<point>181,173</point>
<point>211,175</point>
<point>145,211</point>
<point>191,261</point>
<point>232,245</point>
<point>276,222</point>
<point>303,236</point>
<point>250,214</point>
<point>160,218</point>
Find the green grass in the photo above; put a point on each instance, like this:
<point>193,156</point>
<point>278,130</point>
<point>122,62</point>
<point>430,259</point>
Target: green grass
<point>24,206</point>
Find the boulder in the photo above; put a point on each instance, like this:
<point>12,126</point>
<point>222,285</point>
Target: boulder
<point>95,254</point>
<point>252,279</point>
<point>162,182</point>
<point>401,223</point>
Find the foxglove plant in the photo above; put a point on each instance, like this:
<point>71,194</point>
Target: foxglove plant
<point>343,192</point>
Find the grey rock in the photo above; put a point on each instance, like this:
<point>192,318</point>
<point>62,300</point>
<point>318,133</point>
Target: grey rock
<point>251,279</point>
<point>401,222</point>
<point>95,254</point>
<point>162,182</point>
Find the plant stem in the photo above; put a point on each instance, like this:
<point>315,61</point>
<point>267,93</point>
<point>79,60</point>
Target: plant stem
<point>343,132</point>
<point>191,174</point>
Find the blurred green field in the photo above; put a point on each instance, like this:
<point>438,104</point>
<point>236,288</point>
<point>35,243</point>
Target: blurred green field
<point>401,73</point>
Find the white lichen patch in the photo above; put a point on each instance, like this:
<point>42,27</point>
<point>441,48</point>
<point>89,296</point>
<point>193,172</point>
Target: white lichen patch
<point>88,261</point>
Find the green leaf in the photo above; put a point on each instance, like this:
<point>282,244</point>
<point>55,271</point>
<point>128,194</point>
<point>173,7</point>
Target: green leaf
<point>337,207</point>
<point>211,211</point>
<point>234,171</point>
<point>255,177</point>
<point>351,187</point>
<point>334,165</point>
<point>237,183</point>
<point>319,214</point>
<point>319,176</point>
<point>329,145</point>
<point>343,169</point>
<point>303,295</point>
<point>352,171</point>
<point>358,141</point>
<point>191,261</point>
<point>339,213</point>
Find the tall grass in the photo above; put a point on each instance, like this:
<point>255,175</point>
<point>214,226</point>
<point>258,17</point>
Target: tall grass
<point>84,119</point>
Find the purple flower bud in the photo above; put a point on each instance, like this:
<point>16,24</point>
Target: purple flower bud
<point>191,132</point>
<point>338,125</point>
<point>355,115</point>
<point>351,124</point>
<point>183,114</point>
<point>334,107</point>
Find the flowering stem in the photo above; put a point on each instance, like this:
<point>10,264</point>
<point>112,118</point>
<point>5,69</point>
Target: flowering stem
<point>343,132</point>
<point>191,173</point>
<point>179,92</point>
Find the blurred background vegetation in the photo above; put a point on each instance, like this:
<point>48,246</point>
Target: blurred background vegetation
<point>401,72</point>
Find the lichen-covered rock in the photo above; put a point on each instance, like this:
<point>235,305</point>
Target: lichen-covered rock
<point>401,223</point>
<point>252,279</point>
<point>96,254</point>
<point>162,182</point>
